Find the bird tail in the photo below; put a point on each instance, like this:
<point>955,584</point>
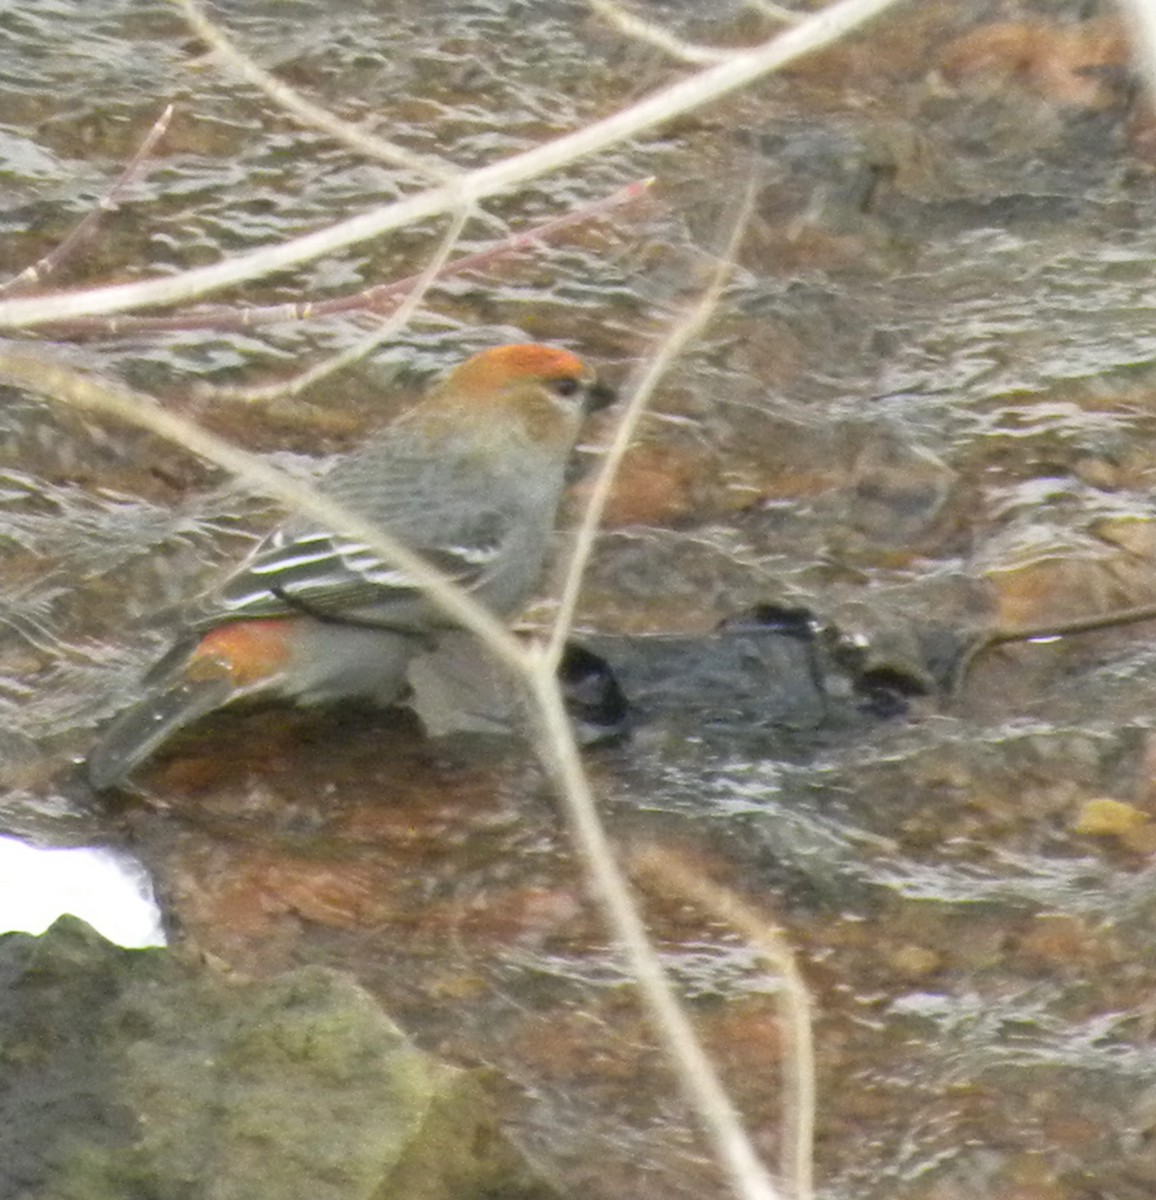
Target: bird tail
<point>138,731</point>
<point>204,670</point>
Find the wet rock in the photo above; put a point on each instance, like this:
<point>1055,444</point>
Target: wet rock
<point>1129,827</point>
<point>658,485</point>
<point>736,677</point>
<point>1040,580</point>
<point>895,647</point>
<point>899,489</point>
<point>1067,64</point>
<point>773,665</point>
<point>138,1072</point>
<point>777,665</point>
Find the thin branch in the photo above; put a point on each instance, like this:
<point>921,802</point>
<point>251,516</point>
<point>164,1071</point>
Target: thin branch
<point>370,342</point>
<point>776,11</point>
<point>676,875</point>
<point>305,111</point>
<point>698,1076</point>
<point>700,89</point>
<point>680,335</point>
<point>1050,632</point>
<point>374,299</point>
<point>1058,629</point>
<point>85,228</point>
<point>646,31</point>
<point>699,1079</point>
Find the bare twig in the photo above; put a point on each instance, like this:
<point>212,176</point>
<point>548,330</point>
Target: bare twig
<point>646,31</point>
<point>367,344</point>
<point>776,11</point>
<point>1050,632</point>
<point>671,872</point>
<point>699,1079</point>
<point>44,267</point>
<point>378,298</point>
<point>1058,629</point>
<point>305,111</point>
<point>680,335</point>
<point>700,89</point>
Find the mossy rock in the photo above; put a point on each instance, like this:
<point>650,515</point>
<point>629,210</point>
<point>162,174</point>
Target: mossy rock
<point>133,1074</point>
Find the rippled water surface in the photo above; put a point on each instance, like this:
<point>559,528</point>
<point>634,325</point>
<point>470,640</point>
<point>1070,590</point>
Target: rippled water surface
<point>925,407</point>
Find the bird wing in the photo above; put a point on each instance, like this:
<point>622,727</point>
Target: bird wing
<point>453,518</point>
<point>328,575</point>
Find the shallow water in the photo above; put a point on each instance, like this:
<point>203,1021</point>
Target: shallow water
<point>925,404</point>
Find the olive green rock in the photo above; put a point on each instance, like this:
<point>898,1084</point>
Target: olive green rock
<point>137,1075</point>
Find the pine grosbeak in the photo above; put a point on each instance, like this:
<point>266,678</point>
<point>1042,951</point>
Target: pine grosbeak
<point>471,478</point>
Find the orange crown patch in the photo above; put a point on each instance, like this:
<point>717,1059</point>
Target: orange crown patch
<point>491,369</point>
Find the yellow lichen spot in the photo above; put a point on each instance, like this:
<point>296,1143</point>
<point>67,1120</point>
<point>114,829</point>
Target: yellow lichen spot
<point>1104,817</point>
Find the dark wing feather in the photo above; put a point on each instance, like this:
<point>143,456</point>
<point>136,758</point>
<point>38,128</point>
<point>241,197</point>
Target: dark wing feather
<point>450,517</point>
<point>327,574</point>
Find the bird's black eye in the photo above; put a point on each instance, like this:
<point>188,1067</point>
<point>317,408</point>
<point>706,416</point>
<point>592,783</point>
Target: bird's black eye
<point>566,386</point>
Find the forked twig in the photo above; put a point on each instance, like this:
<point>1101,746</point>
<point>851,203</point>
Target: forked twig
<point>369,342</point>
<point>698,90</point>
<point>701,1083</point>
<point>305,111</point>
<point>672,873</point>
<point>43,267</point>
<point>680,335</point>
<point>378,298</point>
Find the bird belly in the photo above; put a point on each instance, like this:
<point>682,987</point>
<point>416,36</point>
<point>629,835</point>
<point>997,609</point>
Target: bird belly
<point>338,662</point>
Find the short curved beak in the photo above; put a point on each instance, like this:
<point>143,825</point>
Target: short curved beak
<point>599,396</point>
